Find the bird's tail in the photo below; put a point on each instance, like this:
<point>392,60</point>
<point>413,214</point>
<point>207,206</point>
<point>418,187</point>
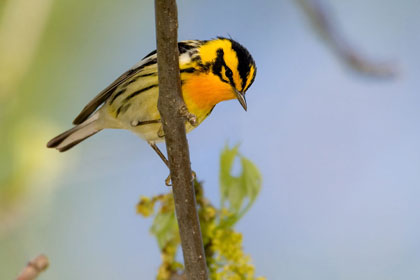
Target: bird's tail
<point>75,135</point>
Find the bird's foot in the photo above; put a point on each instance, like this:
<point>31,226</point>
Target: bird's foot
<point>168,181</point>
<point>160,132</point>
<point>191,118</point>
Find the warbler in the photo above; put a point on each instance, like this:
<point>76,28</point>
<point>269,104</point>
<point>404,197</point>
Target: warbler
<point>211,71</point>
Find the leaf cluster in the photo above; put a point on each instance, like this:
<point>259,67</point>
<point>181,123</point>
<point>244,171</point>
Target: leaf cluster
<point>223,245</point>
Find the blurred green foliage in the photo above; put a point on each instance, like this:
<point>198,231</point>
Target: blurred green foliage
<point>223,245</point>
<point>24,165</point>
<point>46,50</point>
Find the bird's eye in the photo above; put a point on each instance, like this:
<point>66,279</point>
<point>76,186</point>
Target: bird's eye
<point>228,73</point>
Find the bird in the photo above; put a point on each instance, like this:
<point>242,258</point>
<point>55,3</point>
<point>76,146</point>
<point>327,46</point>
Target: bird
<point>211,71</point>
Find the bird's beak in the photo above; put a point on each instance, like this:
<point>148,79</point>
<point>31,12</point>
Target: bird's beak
<point>241,98</point>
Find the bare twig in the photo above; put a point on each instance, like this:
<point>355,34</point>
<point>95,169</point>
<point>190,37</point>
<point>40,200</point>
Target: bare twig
<point>34,268</point>
<point>170,106</point>
<point>322,19</point>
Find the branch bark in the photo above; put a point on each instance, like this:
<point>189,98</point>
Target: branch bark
<point>172,110</point>
<point>34,268</point>
<point>323,21</point>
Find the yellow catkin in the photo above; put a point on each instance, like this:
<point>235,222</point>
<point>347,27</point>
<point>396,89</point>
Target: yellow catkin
<point>227,260</point>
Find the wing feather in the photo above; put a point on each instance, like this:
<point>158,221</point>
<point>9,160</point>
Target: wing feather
<point>107,92</point>
<point>148,60</point>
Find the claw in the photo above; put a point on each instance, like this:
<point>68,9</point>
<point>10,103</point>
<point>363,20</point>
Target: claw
<point>191,118</point>
<point>160,132</point>
<point>168,181</point>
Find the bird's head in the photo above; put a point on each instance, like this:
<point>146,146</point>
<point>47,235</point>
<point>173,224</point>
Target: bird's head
<point>231,69</point>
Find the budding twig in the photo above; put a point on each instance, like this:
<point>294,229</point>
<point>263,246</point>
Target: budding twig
<point>34,268</point>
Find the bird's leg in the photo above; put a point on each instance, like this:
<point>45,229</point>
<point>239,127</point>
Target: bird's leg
<point>165,160</point>
<point>160,154</point>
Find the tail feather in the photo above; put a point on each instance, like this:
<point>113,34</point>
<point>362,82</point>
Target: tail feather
<point>75,135</point>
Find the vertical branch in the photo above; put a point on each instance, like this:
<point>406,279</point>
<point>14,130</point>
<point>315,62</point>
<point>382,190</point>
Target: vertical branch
<point>172,110</point>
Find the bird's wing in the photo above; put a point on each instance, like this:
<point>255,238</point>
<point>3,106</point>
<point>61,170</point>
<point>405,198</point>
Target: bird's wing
<point>148,60</point>
<point>107,92</point>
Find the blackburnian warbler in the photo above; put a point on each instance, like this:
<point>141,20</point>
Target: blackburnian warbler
<point>211,71</point>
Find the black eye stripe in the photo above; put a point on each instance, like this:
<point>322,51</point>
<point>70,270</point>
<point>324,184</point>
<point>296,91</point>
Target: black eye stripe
<point>228,72</point>
<point>219,63</point>
<point>218,66</point>
<point>230,77</point>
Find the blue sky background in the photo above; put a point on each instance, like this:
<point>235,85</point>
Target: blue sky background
<point>339,152</point>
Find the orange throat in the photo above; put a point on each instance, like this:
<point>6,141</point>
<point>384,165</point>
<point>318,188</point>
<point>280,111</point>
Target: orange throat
<point>203,91</point>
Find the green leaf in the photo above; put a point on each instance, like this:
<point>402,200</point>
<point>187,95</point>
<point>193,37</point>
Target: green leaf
<point>238,193</point>
<point>164,228</point>
<point>226,163</point>
<point>251,182</point>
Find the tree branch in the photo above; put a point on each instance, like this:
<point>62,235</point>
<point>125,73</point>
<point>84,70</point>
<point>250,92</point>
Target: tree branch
<point>34,268</point>
<point>323,21</point>
<point>172,110</point>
